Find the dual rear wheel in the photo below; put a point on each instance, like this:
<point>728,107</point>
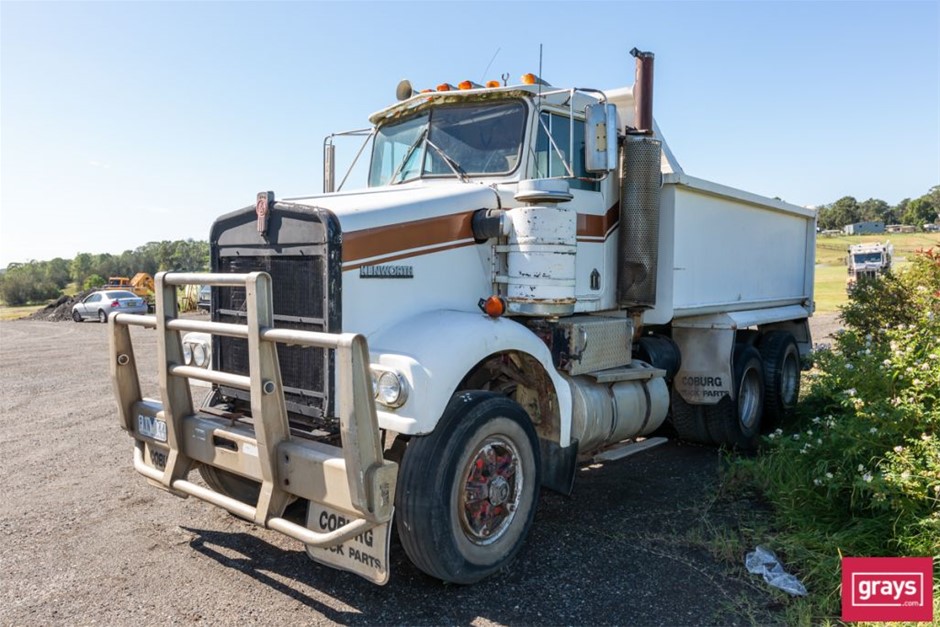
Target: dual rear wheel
<point>766,386</point>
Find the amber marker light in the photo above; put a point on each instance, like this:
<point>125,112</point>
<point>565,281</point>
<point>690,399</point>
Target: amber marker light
<point>529,79</point>
<point>492,84</point>
<point>494,306</point>
<point>445,87</point>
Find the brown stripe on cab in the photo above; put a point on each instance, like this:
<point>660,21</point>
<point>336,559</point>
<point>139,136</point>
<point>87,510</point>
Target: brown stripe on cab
<point>598,226</point>
<point>397,238</point>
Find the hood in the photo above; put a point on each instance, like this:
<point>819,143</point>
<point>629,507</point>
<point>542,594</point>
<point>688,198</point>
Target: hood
<point>398,204</point>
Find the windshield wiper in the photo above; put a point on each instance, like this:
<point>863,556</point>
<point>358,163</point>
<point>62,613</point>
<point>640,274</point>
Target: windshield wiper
<point>408,153</point>
<point>453,165</point>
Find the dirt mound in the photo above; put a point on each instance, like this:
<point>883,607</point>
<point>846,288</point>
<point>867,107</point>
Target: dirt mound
<point>60,310</point>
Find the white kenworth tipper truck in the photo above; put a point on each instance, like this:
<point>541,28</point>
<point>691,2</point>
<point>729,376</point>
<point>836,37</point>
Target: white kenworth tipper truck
<point>528,278</point>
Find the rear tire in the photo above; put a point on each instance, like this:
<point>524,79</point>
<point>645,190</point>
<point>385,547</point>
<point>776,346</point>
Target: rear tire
<point>736,423</point>
<point>781,376</point>
<point>77,317</point>
<point>689,420</point>
<point>467,491</point>
<point>102,316</point>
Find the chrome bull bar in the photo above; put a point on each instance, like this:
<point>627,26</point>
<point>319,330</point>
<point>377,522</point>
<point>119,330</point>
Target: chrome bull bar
<point>353,478</point>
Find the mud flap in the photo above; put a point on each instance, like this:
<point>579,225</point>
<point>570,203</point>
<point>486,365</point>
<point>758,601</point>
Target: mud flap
<point>365,555</point>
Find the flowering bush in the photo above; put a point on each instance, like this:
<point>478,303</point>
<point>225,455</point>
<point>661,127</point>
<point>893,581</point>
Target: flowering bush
<point>859,473</point>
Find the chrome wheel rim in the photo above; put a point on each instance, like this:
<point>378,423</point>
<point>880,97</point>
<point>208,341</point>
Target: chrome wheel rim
<point>749,398</point>
<point>790,379</point>
<point>492,490</point>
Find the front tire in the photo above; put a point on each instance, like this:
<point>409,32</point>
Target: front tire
<point>467,491</point>
<point>77,317</point>
<point>230,484</point>
<point>102,316</point>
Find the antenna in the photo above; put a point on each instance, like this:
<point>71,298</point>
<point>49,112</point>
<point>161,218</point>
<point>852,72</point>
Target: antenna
<point>483,77</point>
<point>541,80</point>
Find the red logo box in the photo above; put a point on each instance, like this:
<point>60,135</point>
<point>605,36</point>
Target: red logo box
<point>887,589</point>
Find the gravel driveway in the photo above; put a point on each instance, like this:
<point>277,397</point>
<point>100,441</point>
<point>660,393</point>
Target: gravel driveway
<point>86,540</point>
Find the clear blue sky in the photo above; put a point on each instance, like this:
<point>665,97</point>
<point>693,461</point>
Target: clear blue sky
<point>130,122</point>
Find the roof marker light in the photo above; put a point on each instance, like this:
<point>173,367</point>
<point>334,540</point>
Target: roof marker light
<point>492,84</point>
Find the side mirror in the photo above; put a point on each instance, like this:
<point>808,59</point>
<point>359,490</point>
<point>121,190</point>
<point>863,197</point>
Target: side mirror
<point>600,138</point>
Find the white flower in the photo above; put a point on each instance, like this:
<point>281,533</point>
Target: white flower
<point>809,432</point>
<point>778,431</point>
<point>898,449</point>
<point>850,392</point>
<point>873,430</point>
<point>817,482</point>
<point>796,436</point>
<point>886,363</point>
<point>861,468</point>
<point>828,475</point>
<point>816,420</point>
<point>933,356</point>
<point>771,436</point>
<point>867,477</point>
<point>818,440</point>
<point>916,382</point>
<point>849,366</point>
<point>906,474</point>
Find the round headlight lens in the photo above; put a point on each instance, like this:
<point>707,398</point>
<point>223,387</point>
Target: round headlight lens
<point>200,355</point>
<point>389,389</point>
<point>187,354</point>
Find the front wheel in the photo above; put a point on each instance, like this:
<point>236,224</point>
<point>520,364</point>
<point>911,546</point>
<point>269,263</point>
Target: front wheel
<point>77,317</point>
<point>467,491</point>
<point>102,316</point>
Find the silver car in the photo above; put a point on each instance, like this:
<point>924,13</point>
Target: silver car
<point>100,304</point>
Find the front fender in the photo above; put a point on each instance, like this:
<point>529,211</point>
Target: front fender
<point>435,350</point>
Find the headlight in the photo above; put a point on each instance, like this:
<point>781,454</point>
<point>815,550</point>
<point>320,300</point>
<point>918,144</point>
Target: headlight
<point>200,355</point>
<point>389,387</point>
<point>187,354</point>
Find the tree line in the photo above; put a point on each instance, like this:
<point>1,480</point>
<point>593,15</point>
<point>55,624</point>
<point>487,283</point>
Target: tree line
<point>914,212</point>
<point>38,281</point>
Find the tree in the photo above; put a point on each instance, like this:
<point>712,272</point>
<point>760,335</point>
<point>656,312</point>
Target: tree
<point>920,211</point>
<point>26,283</point>
<point>92,281</point>
<point>836,215</point>
<point>873,210</point>
<point>57,272</point>
<point>81,267</point>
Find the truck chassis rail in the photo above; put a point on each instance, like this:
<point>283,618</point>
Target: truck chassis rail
<point>354,479</point>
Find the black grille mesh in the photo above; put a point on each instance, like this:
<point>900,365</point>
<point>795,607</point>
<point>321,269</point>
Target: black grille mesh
<point>299,303</point>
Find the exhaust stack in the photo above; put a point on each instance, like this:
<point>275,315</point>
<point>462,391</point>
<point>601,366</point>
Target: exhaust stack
<point>643,91</point>
<point>640,183</point>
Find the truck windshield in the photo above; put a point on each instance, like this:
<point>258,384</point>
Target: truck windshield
<point>455,140</point>
<point>867,257</point>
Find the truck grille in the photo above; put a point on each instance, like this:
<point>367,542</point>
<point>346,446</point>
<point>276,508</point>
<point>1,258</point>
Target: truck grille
<point>300,278</point>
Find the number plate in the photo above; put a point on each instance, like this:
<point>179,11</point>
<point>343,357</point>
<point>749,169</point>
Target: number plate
<point>365,555</point>
<point>151,427</point>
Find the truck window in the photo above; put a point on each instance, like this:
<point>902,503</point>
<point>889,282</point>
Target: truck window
<point>479,139</point>
<point>548,163</point>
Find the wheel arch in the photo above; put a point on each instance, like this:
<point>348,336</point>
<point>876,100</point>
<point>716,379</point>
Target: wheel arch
<point>443,352</point>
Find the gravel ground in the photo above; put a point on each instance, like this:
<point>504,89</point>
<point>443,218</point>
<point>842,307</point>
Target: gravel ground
<point>86,540</point>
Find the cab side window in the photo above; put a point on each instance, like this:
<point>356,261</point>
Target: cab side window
<point>548,163</point>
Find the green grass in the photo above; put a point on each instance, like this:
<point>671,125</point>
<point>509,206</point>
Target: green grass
<point>12,313</point>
